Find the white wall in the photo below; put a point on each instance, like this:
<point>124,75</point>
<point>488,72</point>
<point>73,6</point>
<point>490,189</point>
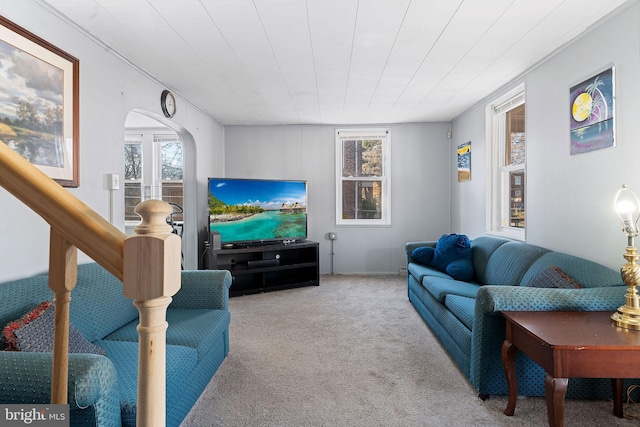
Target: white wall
<point>569,198</point>
<point>109,90</point>
<point>420,187</point>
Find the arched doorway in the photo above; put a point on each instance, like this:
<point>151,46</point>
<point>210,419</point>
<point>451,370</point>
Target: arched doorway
<point>143,122</point>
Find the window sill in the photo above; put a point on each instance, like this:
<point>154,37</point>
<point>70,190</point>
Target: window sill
<point>363,223</point>
<point>509,233</point>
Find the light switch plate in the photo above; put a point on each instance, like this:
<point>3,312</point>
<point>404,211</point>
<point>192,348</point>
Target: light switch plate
<point>113,181</point>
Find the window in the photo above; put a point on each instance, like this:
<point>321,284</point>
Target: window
<point>153,169</point>
<point>171,170</point>
<point>508,157</point>
<point>362,181</point>
<point>132,176</point>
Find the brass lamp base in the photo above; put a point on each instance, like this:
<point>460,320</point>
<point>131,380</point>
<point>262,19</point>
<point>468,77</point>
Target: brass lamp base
<point>628,315</point>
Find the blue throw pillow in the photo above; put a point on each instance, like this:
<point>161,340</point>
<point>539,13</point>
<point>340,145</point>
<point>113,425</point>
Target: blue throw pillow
<point>454,248</point>
<point>461,269</point>
<point>423,255</point>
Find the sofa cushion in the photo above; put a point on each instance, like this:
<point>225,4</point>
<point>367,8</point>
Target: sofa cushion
<point>454,248</point>
<point>553,277</point>
<point>588,273</point>
<point>100,303</point>
<point>481,249</point>
<point>420,271</point>
<point>508,264</point>
<point>440,287</point>
<point>36,333</point>
<point>124,355</point>
<point>462,307</point>
<point>195,328</point>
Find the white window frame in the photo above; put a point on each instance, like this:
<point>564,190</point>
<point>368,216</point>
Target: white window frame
<point>498,197</point>
<point>385,179</point>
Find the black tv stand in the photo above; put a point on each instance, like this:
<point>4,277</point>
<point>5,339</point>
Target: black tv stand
<point>269,266</point>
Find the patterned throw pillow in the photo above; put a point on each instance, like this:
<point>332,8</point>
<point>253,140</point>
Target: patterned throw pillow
<point>553,277</point>
<point>34,332</point>
<point>10,342</point>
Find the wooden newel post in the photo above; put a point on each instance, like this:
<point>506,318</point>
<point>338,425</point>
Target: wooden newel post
<point>151,275</point>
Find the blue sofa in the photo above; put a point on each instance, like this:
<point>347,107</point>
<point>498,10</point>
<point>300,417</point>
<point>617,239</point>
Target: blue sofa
<point>103,389</point>
<point>465,316</point>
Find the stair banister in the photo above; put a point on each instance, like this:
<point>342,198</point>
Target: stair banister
<point>73,220</point>
<point>147,263</point>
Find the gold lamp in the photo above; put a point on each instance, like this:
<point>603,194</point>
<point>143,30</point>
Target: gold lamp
<point>628,210</point>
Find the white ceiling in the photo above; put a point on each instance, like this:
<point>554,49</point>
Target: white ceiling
<point>334,61</point>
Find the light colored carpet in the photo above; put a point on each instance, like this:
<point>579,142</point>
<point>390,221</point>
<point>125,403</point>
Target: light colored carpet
<point>353,352</point>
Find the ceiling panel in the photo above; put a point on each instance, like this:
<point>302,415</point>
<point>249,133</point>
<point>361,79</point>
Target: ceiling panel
<point>415,40</point>
<point>331,27</point>
<point>377,26</point>
<point>291,45</point>
<point>333,61</point>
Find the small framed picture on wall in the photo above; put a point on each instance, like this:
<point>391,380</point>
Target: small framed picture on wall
<point>592,113</point>
<point>464,161</point>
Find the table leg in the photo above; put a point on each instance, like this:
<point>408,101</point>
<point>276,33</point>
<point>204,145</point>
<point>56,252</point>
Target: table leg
<point>616,384</point>
<point>509,365</point>
<point>556,388</point>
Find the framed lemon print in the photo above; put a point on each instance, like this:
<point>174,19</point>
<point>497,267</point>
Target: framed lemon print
<point>592,111</point>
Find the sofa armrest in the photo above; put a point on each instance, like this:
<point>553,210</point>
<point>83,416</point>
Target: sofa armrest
<point>489,326</point>
<point>93,382</point>
<point>492,299</point>
<point>410,246</point>
<point>203,289</point>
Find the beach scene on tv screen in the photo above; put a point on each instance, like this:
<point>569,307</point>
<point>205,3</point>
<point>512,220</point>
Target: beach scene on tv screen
<point>255,210</point>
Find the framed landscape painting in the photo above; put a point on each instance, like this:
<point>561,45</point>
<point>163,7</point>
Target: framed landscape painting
<point>39,96</point>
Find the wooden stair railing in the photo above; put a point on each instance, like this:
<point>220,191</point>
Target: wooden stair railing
<point>148,264</point>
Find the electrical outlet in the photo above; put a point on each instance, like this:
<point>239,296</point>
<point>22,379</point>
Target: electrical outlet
<point>332,235</point>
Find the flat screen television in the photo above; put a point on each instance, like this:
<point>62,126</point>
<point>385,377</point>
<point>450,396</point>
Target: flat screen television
<point>253,211</point>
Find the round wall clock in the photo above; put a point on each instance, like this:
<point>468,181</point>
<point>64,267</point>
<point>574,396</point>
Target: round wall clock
<point>168,104</point>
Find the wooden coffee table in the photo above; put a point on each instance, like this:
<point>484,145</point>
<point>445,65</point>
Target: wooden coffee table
<point>570,345</point>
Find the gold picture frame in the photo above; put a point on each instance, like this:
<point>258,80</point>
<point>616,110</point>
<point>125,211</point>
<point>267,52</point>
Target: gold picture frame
<point>39,102</point>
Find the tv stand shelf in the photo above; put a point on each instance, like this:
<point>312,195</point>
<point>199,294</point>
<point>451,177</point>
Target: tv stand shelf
<point>269,267</point>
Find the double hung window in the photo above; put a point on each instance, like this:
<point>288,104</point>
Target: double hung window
<point>507,187</point>
<point>362,182</point>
